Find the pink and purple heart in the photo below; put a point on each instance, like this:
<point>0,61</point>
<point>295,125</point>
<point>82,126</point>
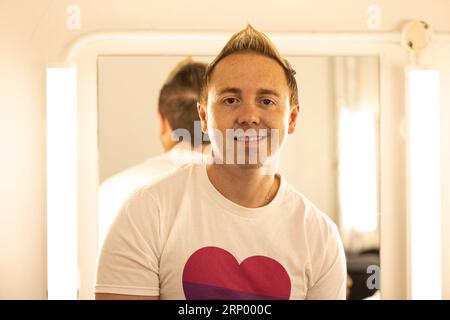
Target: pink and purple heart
<point>212,273</point>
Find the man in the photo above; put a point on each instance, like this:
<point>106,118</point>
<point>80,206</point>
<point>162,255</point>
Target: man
<point>229,229</point>
<point>177,111</point>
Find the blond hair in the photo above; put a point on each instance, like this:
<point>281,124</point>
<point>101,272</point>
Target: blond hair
<point>254,41</point>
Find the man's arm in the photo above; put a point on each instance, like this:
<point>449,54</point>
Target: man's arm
<point>128,264</point>
<point>111,296</point>
<point>332,281</point>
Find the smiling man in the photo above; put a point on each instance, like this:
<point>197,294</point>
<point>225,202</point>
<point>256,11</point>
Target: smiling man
<point>229,228</point>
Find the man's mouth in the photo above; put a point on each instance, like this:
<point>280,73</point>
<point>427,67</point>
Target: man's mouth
<point>250,137</point>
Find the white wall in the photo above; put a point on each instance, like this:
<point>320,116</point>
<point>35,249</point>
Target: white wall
<point>33,33</point>
<point>22,156</point>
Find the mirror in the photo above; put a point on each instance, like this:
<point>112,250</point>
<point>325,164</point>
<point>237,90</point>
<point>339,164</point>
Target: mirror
<point>332,158</point>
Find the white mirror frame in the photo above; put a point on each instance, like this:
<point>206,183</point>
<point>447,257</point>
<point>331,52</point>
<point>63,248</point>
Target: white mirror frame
<point>393,238</point>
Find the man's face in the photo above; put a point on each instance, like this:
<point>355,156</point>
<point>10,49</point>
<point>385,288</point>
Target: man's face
<point>249,94</point>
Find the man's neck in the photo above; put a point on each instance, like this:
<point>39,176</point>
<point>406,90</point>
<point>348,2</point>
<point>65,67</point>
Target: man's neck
<point>249,188</point>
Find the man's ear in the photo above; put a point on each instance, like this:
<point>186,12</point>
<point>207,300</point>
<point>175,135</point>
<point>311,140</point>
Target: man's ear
<point>163,124</point>
<point>201,108</point>
<point>293,117</point>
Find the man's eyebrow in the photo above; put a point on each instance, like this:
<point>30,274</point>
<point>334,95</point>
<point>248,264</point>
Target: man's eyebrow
<point>269,91</point>
<point>229,90</point>
<point>239,91</point>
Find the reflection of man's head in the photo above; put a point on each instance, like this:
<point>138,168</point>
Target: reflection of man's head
<point>177,103</point>
<point>248,100</point>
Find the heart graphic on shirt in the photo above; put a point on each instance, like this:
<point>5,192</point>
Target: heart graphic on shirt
<point>213,273</point>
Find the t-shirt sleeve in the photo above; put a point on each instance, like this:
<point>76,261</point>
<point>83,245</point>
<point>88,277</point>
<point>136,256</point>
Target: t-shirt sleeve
<point>331,282</point>
<point>129,259</point>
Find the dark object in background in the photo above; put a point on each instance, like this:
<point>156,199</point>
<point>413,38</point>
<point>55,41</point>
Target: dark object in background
<point>357,264</point>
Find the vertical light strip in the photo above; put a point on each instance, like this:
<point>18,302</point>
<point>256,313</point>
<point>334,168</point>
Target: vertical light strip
<point>62,270</point>
<point>357,170</point>
<point>424,183</point>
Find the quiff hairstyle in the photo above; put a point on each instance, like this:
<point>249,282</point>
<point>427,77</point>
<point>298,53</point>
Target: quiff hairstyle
<point>250,40</point>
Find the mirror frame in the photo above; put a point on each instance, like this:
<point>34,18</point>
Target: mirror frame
<point>84,51</point>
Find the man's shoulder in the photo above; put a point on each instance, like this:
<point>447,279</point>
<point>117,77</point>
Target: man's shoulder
<point>313,216</point>
<point>163,192</point>
<point>170,182</point>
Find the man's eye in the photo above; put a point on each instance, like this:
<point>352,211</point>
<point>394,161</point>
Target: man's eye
<point>267,102</point>
<point>230,101</point>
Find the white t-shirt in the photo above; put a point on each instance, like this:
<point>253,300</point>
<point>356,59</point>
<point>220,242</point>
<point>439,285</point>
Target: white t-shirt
<point>115,190</point>
<point>180,238</point>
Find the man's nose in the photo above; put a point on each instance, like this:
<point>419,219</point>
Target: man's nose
<point>249,114</point>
